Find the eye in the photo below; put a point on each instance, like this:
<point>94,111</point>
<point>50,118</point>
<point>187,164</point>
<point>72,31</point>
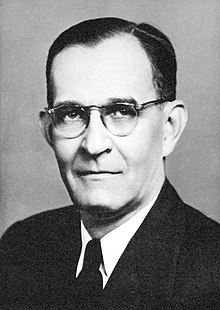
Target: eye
<point>119,111</point>
<point>69,114</point>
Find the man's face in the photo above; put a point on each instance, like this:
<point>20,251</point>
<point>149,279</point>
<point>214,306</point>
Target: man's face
<point>101,170</point>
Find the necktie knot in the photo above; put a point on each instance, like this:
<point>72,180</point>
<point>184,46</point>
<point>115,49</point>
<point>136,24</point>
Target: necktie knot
<point>93,255</point>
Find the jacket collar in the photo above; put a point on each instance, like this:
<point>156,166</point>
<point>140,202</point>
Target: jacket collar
<point>146,269</point>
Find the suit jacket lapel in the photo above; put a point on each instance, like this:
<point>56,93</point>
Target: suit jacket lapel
<point>146,270</point>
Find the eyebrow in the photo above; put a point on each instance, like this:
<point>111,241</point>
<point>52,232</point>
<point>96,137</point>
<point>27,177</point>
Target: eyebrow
<point>66,103</point>
<point>122,100</point>
<point>111,100</point>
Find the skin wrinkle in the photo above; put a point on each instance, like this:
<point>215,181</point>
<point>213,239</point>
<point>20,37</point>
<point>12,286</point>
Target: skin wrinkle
<point>117,67</point>
<point>87,62</point>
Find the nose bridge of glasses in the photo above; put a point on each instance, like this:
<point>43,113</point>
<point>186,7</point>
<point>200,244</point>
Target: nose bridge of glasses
<point>92,108</point>
<point>96,139</point>
<point>97,113</point>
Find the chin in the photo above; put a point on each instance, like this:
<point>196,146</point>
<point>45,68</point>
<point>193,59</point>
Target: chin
<point>94,204</point>
<point>102,213</point>
<point>98,197</point>
<point>97,202</point>
<point>103,208</point>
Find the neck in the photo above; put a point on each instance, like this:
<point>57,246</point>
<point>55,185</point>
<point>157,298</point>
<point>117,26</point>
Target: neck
<point>99,226</point>
<point>100,223</point>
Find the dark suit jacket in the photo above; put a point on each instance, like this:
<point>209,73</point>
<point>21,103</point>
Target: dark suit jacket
<point>172,262</point>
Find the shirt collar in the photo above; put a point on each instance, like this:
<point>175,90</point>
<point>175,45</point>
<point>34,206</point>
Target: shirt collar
<point>114,243</point>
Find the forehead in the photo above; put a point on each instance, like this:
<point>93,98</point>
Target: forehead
<point>111,68</point>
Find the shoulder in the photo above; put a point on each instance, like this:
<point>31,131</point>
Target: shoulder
<point>201,242</point>
<point>36,254</point>
<point>40,228</point>
<point>197,277</point>
<point>199,234</point>
<point>195,222</point>
<point>200,228</point>
<point>197,254</point>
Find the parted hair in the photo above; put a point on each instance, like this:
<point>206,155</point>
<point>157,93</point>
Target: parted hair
<point>91,32</point>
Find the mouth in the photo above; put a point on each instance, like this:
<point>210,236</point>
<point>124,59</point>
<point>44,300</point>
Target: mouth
<point>99,173</point>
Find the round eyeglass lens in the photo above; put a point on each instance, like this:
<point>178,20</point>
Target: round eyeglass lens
<point>120,119</point>
<point>70,121</point>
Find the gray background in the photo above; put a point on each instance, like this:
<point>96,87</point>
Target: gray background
<point>30,180</point>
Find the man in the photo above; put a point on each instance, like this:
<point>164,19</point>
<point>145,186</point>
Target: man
<point>112,119</point>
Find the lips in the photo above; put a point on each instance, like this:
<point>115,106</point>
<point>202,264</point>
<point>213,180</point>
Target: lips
<point>100,172</point>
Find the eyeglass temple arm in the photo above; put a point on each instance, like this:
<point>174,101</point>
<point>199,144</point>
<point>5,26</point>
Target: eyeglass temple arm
<point>153,102</point>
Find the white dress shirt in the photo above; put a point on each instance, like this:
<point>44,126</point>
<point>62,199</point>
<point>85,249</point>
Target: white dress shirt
<point>114,243</point>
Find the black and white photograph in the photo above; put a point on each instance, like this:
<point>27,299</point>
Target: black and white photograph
<point>110,155</point>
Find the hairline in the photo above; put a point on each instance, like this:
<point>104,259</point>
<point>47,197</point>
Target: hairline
<point>94,44</point>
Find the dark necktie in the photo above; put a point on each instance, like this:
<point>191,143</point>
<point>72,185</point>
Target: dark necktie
<point>89,281</point>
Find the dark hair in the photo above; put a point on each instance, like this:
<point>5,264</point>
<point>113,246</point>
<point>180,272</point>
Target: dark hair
<point>156,45</point>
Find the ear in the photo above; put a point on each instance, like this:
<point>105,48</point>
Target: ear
<point>176,116</point>
<point>46,127</point>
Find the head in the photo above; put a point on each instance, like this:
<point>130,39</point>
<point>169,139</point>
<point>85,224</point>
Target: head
<point>91,33</point>
<point>97,63</point>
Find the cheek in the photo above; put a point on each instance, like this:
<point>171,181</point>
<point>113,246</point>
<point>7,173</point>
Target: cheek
<point>145,148</point>
<point>65,151</point>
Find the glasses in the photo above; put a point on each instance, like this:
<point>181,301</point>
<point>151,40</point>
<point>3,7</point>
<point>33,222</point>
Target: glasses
<point>120,118</point>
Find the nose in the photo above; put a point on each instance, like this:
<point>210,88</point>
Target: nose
<point>96,138</point>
